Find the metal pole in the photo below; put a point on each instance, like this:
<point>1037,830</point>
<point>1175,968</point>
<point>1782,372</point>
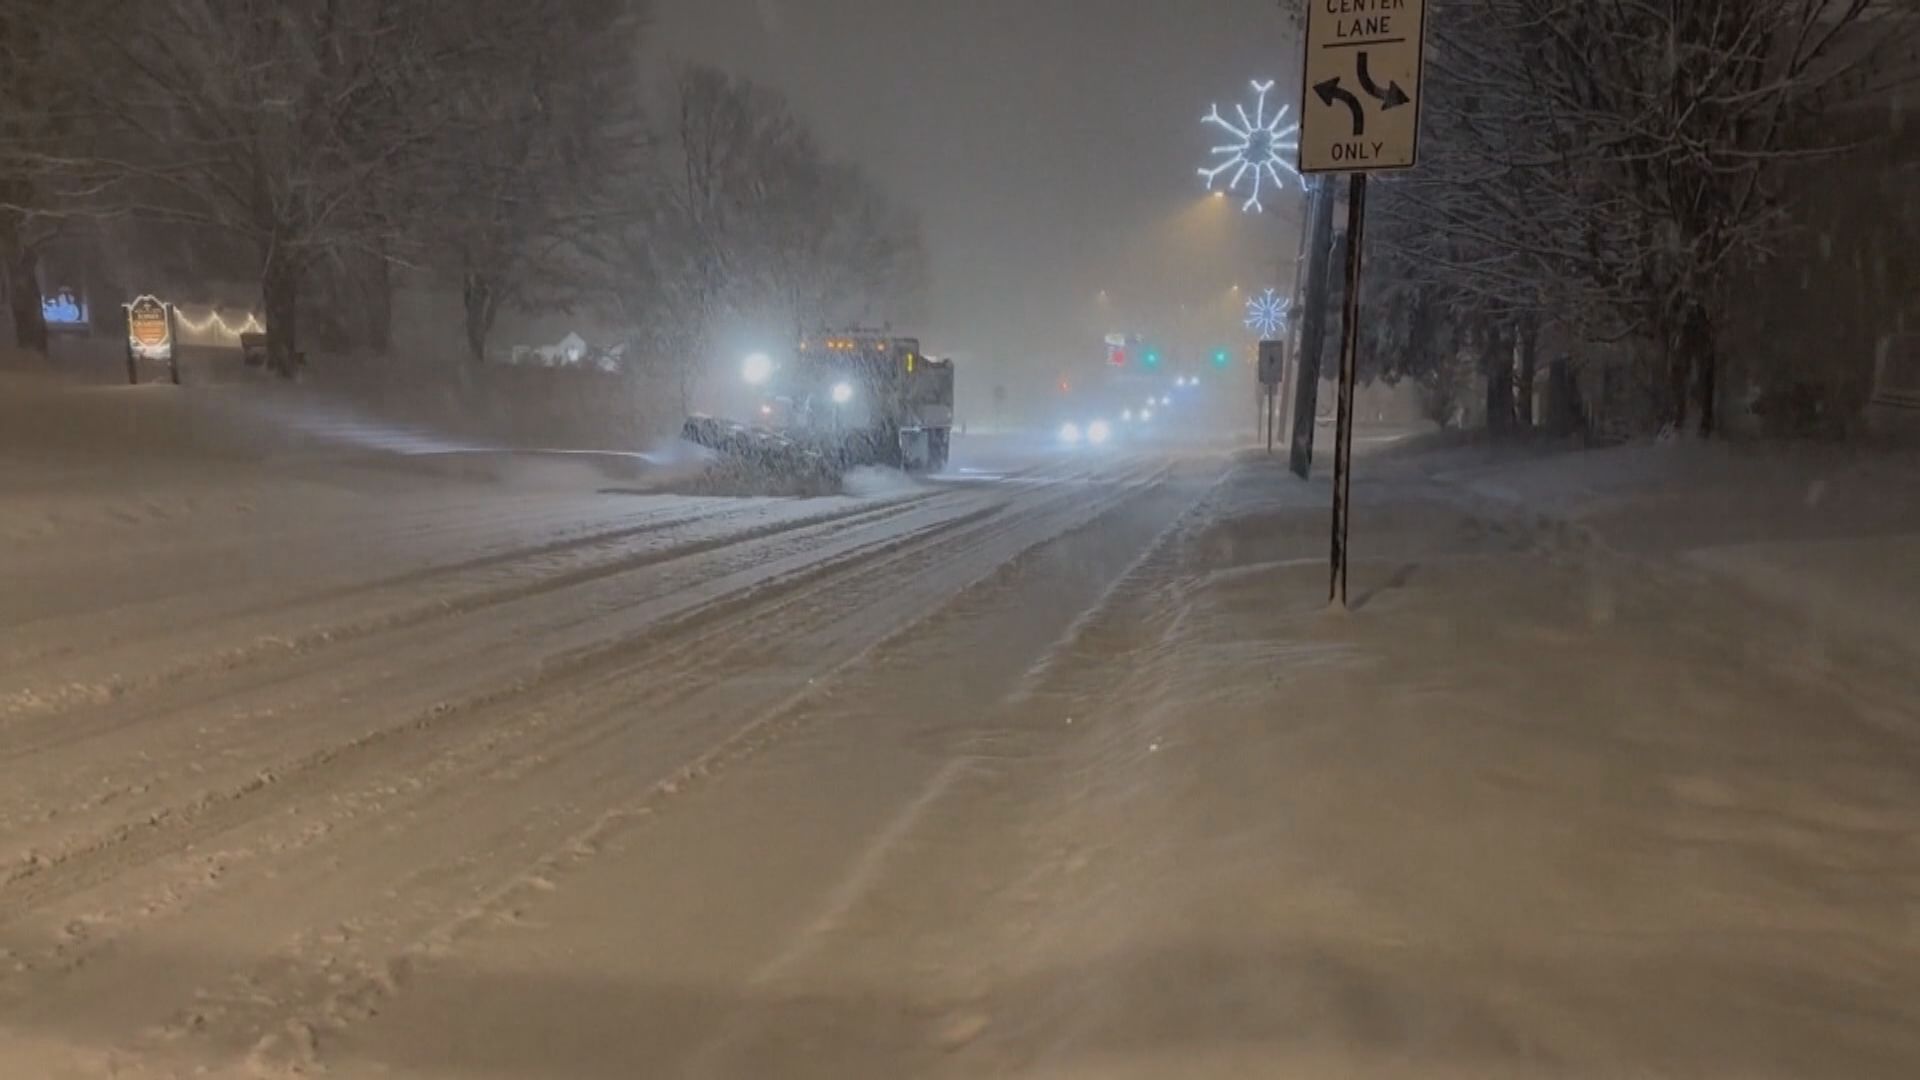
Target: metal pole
<point>1349,370</point>
<point>1285,391</point>
<point>173,346</point>
<point>1313,322</point>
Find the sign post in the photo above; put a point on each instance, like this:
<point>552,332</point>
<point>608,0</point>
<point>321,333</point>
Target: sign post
<point>1360,112</point>
<point>150,337</point>
<point>1349,369</point>
<point>1273,372</point>
<point>1312,335</point>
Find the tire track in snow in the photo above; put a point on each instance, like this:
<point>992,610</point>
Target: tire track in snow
<point>577,746</point>
<point>333,1006</point>
<point>39,732</point>
<point>679,610</point>
<point>835,896</point>
<point>65,585</point>
<point>59,695</point>
<point>99,860</point>
<point>742,588</point>
<point>50,636</point>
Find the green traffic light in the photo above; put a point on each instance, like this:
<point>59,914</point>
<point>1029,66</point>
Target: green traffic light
<point>1153,359</point>
<point>1220,358</point>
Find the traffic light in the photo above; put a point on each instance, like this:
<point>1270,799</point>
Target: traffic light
<point>1153,358</point>
<point>1221,357</point>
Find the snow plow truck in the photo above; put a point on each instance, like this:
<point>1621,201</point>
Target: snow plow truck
<point>839,402</point>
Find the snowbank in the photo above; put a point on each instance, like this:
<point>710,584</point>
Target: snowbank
<point>105,463</point>
<point>1831,534</point>
<point>1520,815</point>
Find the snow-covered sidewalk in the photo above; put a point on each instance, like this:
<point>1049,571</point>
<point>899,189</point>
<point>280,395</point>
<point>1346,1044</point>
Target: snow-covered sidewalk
<point>1527,812</point>
<point>1831,537</point>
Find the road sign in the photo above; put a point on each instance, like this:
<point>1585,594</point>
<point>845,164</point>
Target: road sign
<point>1360,109</point>
<point>1273,363</point>
<point>1273,373</point>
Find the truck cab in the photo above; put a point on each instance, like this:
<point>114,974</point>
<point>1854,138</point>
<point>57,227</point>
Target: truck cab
<point>865,398</point>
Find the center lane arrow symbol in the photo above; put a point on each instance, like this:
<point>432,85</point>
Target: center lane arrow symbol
<point>1391,98</point>
<point>1330,92</point>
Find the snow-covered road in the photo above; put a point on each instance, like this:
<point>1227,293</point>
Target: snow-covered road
<point>1054,768</point>
<point>252,771</point>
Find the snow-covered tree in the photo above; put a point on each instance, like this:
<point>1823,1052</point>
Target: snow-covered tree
<point>300,127</point>
<point>1609,167</point>
<point>749,218</point>
<point>48,172</point>
<point>537,121</point>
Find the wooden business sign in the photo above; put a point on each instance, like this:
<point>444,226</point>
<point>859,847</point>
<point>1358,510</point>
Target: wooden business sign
<point>150,329</point>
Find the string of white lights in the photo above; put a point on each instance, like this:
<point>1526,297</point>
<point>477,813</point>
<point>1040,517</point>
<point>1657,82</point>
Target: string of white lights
<point>1267,313</point>
<point>1257,148</point>
<point>218,325</point>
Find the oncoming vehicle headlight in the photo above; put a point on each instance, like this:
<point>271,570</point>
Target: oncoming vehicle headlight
<point>1099,432</point>
<point>842,393</point>
<point>1070,433</point>
<point>757,369</point>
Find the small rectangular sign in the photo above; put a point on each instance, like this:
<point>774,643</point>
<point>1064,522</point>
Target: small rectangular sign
<point>1360,108</point>
<point>1273,363</point>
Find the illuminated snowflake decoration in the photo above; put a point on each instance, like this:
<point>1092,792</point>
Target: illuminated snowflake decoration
<point>1267,313</point>
<point>1256,150</point>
